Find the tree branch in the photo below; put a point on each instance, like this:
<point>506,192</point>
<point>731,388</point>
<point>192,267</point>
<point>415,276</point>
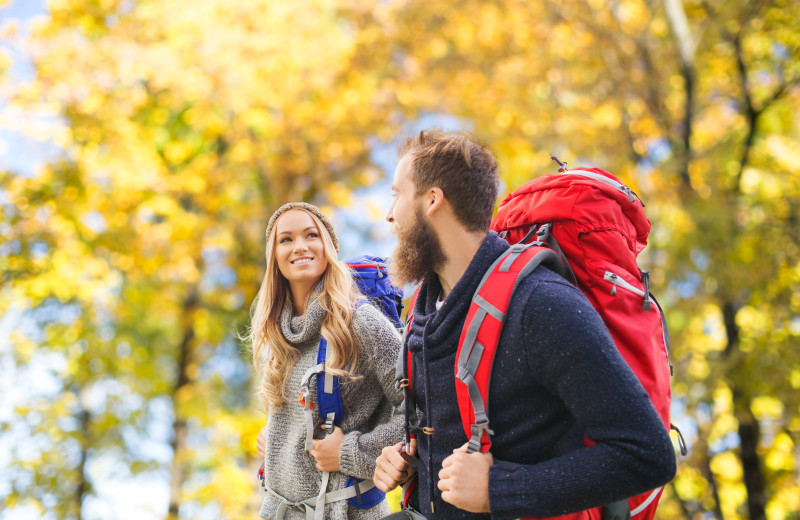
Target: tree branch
<point>684,507</point>
<point>753,113</point>
<point>750,113</point>
<point>687,48</point>
<point>712,482</point>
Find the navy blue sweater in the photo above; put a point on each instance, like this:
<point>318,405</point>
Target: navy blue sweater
<point>556,376</point>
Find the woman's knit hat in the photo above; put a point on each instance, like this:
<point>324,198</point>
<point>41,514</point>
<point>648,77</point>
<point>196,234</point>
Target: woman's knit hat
<point>311,209</point>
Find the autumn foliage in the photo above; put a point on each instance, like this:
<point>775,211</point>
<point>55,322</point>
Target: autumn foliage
<point>129,259</point>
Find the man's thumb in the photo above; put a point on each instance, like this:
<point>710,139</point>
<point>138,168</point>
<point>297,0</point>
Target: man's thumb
<point>411,448</point>
<point>462,449</point>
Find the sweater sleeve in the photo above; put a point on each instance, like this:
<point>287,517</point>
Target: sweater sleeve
<point>569,350</point>
<point>381,344</point>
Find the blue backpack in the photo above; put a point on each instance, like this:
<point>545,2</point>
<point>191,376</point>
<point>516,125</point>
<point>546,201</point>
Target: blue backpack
<point>372,278</point>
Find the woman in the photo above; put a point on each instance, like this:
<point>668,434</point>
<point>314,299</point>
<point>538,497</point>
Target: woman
<point>308,295</point>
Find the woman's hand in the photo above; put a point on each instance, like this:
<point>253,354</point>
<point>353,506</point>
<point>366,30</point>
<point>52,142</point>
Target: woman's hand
<point>261,442</point>
<point>326,451</point>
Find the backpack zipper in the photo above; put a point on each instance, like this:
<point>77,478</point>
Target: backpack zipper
<point>632,196</point>
<point>379,268</point>
<point>617,280</point>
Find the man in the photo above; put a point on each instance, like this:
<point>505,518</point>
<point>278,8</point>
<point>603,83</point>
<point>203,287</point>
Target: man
<point>556,375</point>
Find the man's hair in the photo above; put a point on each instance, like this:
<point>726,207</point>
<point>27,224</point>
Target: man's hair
<point>462,168</point>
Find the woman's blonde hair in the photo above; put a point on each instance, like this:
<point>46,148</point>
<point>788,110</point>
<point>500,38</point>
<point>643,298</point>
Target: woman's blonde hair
<point>273,356</point>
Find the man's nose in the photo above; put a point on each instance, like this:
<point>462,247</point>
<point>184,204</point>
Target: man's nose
<point>390,214</point>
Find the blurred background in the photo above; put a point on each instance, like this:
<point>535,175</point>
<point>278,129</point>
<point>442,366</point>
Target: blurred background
<point>145,143</point>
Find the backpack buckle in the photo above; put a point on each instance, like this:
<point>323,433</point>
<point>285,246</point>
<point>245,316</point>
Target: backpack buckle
<point>302,401</point>
<point>544,232</point>
<point>478,430</point>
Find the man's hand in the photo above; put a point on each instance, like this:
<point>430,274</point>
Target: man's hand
<point>393,467</point>
<point>464,480</point>
<point>326,451</point>
<point>261,442</point>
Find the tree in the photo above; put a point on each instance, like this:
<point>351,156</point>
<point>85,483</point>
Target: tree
<point>185,124</point>
<point>693,104</point>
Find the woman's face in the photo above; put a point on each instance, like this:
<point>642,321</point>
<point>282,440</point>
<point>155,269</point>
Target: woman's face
<point>298,248</point>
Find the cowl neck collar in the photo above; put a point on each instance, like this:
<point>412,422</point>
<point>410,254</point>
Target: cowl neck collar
<point>302,329</point>
<point>442,329</point>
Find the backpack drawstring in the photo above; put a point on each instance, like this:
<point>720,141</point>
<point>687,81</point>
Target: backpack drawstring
<point>428,430</point>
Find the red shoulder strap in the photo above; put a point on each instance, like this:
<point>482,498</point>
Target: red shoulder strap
<point>481,333</point>
<point>409,318</point>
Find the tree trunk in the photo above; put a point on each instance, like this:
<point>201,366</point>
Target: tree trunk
<point>686,47</point>
<point>712,482</point>
<point>749,436</point>
<point>749,430</point>
<point>179,426</point>
<point>83,486</point>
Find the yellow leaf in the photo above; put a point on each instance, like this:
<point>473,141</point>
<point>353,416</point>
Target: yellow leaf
<point>727,465</point>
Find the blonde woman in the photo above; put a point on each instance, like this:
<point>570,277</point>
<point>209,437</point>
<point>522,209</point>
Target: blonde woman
<point>308,295</point>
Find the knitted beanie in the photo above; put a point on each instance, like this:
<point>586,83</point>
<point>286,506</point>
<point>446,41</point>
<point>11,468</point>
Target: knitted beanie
<point>311,209</point>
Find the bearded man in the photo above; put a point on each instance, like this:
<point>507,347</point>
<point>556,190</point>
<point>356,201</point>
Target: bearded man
<point>557,375</point>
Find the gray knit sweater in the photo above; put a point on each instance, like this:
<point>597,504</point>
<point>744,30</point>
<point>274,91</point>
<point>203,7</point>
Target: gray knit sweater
<point>368,425</point>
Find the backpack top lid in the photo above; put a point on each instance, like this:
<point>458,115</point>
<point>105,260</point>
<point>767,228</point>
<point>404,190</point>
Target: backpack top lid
<point>581,195</point>
<point>371,275</point>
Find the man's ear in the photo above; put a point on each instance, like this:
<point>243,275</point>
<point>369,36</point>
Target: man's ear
<point>434,200</point>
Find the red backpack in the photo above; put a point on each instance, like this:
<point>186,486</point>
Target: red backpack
<point>588,227</point>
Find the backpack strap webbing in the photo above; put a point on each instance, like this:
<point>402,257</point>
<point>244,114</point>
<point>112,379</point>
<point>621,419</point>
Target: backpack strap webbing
<point>314,507</point>
<point>404,381</point>
<point>329,397</point>
<point>404,377</point>
<point>481,334</point>
<point>307,402</point>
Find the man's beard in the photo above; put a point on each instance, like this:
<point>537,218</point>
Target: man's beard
<point>418,253</point>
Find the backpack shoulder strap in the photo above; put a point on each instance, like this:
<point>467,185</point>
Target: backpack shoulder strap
<point>481,334</point>
<point>329,397</point>
<point>404,376</point>
<point>404,372</point>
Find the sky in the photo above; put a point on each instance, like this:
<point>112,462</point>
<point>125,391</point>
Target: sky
<point>18,153</point>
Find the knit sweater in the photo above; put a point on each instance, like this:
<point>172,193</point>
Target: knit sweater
<point>556,376</point>
<point>368,423</point>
